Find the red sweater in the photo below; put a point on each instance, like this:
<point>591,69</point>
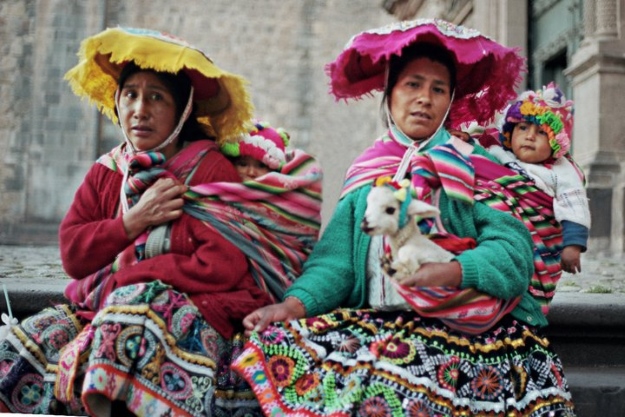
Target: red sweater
<point>201,263</point>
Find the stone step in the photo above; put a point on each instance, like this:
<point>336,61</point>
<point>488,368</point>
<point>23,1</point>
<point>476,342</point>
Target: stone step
<point>597,391</point>
<point>586,330</point>
<point>29,295</point>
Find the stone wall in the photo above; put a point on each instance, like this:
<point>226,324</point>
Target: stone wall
<point>49,138</point>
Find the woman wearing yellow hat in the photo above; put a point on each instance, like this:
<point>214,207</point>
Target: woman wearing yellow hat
<point>156,296</point>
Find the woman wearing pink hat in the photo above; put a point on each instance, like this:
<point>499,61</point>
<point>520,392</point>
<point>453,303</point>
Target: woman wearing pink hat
<point>323,351</point>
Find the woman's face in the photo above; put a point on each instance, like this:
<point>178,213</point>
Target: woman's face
<point>147,111</point>
<point>420,98</point>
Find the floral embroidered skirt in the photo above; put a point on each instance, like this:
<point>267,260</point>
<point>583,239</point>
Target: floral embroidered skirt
<point>372,363</point>
<point>149,348</point>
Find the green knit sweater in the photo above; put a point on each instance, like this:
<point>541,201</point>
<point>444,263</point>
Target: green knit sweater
<point>501,264</point>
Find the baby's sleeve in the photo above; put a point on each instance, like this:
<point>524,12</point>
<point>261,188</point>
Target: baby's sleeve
<point>571,201</point>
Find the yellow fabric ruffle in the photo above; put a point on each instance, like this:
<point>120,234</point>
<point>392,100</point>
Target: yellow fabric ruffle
<point>222,101</point>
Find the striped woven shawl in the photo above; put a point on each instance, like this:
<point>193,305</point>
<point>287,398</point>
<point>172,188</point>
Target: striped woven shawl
<point>274,220</point>
<point>507,190</point>
<point>466,178</point>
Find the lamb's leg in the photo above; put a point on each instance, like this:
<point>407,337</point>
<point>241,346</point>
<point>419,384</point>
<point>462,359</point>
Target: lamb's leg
<point>407,262</point>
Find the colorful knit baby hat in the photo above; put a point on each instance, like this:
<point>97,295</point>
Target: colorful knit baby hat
<point>263,143</point>
<point>547,108</point>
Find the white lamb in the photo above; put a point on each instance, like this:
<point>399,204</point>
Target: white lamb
<point>409,248</point>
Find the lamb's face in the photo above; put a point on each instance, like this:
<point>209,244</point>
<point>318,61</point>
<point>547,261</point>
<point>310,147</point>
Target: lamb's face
<point>382,213</point>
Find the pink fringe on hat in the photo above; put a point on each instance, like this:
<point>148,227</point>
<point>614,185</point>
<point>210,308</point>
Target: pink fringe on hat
<point>487,72</point>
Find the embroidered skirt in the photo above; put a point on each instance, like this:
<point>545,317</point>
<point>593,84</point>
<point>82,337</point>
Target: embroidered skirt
<point>149,348</point>
<point>371,363</point>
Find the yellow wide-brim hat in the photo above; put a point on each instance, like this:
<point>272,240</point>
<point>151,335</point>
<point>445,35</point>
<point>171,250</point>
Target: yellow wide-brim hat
<point>222,103</point>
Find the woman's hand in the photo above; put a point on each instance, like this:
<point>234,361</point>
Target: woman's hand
<point>435,274</point>
<point>159,204</point>
<point>257,321</point>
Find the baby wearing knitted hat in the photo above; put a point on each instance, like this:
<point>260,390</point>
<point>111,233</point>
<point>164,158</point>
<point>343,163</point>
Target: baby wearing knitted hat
<point>534,140</point>
<point>261,150</point>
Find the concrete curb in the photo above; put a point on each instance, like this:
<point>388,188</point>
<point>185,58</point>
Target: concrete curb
<point>597,391</point>
<point>588,329</point>
<point>29,295</point>
<point>590,309</point>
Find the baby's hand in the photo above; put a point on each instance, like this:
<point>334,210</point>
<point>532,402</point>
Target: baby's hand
<point>460,134</point>
<point>571,261</point>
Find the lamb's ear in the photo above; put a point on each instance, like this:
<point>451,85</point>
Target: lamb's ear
<point>422,209</point>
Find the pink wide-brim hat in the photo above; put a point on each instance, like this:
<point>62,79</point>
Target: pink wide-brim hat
<point>487,72</point>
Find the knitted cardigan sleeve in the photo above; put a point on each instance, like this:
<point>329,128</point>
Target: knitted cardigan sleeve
<point>502,262</point>
<point>90,234</point>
